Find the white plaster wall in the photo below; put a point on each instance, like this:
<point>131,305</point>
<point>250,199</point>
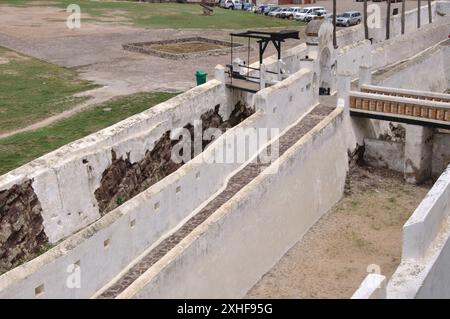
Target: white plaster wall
<point>415,73</point>
<point>351,57</point>
<point>423,272</point>
<point>65,185</point>
<point>226,255</point>
<point>423,225</point>
<point>386,154</point>
<point>403,46</point>
<point>198,181</point>
<point>372,287</point>
<point>441,153</point>
<point>151,224</point>
<point>285,101</point>
<point>354,34</point>
<point>446,53</point>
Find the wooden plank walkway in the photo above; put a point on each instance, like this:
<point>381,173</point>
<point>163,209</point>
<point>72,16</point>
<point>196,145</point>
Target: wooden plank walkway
<point>244,85</point>
<point>236,183</point>
<point>410,111</point>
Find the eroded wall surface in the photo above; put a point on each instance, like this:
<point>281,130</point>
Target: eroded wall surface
<point>241,241</point>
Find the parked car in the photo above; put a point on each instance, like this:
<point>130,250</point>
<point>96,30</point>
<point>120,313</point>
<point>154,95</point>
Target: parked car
<point>291,12</point>
<point>275,12</point>
<point>271,9</point>
<point>233,4</point>
<point>248,7</point>
<point>282,12</point>
<point>222,3</point>
<point>308,13</point>
<point>262,9</point>
<point>315,13</point>
<point>349,18</point>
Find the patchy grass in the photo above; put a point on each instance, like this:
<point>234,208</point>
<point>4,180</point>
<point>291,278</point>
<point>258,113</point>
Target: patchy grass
<point>24,147</point>
<point>167,15</point>
<point>31,90</point>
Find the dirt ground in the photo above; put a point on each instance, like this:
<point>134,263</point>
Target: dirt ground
<point>363,229</point>
<point>96,52</point>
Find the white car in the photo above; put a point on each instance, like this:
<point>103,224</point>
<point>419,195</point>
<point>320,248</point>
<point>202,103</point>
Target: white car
<point>275,12</point>
<point>232,4</point>
<point>308,13</point>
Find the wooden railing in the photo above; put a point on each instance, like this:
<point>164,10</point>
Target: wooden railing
<point>400,106</point>
<point>428,96</point>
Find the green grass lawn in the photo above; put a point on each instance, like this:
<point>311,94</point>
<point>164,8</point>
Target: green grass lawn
<point>31,90</point>
<point>168,15</point>
<point>24,147</point>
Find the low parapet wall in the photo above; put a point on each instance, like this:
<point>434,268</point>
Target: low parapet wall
<point>287,100</point>
<point>415,72</point>
<point>65,180</point>
<point>423,271</point>
<point>372,287</point>
<point>423,226</point>
<point>354,34</point>
<point>115,240</point>
<point>404,46</point>
<point>226,255</point>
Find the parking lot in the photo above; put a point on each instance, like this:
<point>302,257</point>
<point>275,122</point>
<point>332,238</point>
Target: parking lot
<point>342,6</point>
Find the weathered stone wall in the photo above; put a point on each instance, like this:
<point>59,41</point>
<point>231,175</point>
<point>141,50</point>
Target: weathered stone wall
<point>65,180</point>
<point>123,180</point>
<point>22,234</point>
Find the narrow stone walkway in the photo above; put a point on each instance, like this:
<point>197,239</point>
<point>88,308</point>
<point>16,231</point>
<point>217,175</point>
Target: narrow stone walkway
<point>236,183</point>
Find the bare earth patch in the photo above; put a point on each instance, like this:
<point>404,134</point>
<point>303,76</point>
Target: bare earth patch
<point>186,47</point>
<point>49,22</point>
<point>363,229</point>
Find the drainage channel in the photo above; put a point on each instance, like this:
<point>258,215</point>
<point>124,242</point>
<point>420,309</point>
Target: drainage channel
<point>236,183</point>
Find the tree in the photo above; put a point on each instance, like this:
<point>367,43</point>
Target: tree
<point>430,18</point>
<point>388,20</point>
<point>366,27</point>
<point>334,25</point>
<point>403,15</point>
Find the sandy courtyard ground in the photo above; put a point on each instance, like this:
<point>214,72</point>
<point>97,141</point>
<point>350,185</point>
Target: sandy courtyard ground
<point>363,229</point>
<point>96,51</point>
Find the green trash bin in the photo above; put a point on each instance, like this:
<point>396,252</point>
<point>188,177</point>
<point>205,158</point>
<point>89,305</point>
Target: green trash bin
<point>200,75</point>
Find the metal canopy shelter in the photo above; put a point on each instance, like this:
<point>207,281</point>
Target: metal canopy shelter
<point>251,83</point>
<point>264,38</point>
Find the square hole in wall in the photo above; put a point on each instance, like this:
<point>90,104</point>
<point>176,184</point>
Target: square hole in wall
<point>106,243</point>
<point>274,110</point>
<point>39,290</point>
<point>290,98</point>
<point>133,223</point>
<point>197,175</point>
<point>156,206</point>
<point>178,189</point>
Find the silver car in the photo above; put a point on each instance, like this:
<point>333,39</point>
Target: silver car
<point>349,18</point>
